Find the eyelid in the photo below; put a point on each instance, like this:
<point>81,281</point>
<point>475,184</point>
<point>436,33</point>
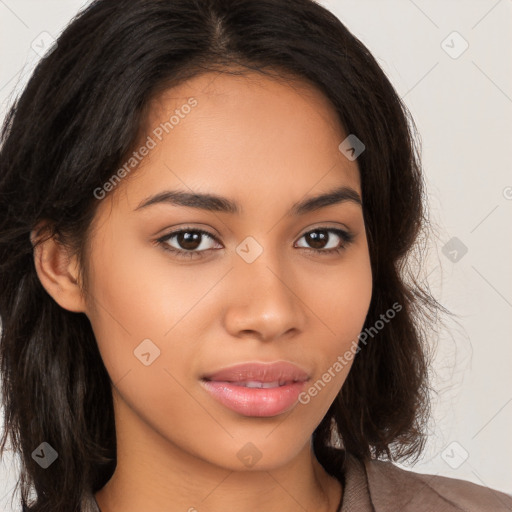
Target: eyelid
<point>326,227</point>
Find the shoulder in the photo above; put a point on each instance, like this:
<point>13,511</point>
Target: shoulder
<point>395,488</point>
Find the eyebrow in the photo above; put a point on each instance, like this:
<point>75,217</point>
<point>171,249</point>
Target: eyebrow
<point>215,203</point>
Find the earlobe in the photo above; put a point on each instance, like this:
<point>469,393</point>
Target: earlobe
<point>58,273</point>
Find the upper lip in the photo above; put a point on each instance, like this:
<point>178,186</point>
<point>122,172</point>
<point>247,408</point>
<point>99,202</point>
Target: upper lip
<point>281,371</point>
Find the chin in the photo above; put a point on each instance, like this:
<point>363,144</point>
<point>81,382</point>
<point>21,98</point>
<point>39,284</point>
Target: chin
<point>266,450</point>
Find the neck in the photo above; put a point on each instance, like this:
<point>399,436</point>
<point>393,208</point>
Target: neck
<point>155,475</point>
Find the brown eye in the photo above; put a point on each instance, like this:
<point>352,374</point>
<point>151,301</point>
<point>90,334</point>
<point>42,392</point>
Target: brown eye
<point>188,242</point>
<point>327,240</point>
<point>317,239</point>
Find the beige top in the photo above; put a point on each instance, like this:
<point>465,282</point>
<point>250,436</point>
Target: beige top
<point>378,486</point>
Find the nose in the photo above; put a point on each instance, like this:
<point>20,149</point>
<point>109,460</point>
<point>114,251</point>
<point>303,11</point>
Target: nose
<point>266,300</point>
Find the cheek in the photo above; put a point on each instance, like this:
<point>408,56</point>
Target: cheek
<point>340,301</point>
<point>145,320</point>
<point>140,292</point>
<point>147,313</point>
<point>341,297</point>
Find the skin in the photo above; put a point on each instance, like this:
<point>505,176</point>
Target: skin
<point>265,144</point>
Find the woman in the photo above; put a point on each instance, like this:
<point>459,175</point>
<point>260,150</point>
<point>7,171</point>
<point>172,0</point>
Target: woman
<point>206,212</point>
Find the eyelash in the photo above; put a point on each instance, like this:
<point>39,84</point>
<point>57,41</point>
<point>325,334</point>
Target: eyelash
<point>345,236</point>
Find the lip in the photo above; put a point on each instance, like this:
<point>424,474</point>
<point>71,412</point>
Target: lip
<point>227,387</point>
<point>260,372</point>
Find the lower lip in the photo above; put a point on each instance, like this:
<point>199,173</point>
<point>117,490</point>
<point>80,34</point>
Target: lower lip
<point>255,401</point>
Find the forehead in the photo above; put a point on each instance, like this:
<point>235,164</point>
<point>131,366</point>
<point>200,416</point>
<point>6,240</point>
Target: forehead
<point>239,135</point>
<point>232,91</point>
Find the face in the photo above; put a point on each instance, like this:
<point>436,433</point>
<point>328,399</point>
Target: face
<point>180,290</point>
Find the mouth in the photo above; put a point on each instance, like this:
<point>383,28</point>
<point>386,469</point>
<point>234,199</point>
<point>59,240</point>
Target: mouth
<point>256,384</point>
<point>257,389</point>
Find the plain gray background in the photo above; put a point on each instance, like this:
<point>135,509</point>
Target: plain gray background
<point>451,62</point>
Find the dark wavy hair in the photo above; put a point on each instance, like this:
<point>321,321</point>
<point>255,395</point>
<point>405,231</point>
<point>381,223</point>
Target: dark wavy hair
<point>71,128</point>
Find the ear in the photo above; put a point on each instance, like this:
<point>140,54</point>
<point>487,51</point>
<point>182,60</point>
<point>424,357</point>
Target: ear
<point>58,272</point>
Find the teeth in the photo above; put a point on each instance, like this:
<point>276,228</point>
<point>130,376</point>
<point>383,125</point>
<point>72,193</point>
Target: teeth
<point>255,384</point>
